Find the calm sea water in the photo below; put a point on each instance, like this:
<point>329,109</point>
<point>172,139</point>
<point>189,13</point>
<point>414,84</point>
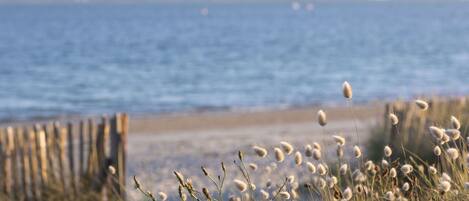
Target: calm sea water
<point>143,59</point>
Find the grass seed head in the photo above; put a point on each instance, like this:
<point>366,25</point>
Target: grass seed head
<point>347,194</point>
<point>317,154</point>
<point>343,169</point>
<point>432,170</point>
<point>455,123</point>
<point>279,156</point>
<point>321,169</point>
<point>322,118</point>
<point>260,151</point>
<point>436,132</point>
<point>163,196</point>
<point>112,170</point>
<point>265,194</point>
<point>407,169</point>
<point>311,167</point>
<point>308,150</point>
<point>357,151</point>
<point>389,196</point>
<point>384,163</point>
<point>287,147</point>
<point>393,173</point>
<point>339,140</point>
<point>452,153</point>
<point>454,134</point>
<point>253,166</point>
<point>285,195</point>
<point>387,151</point>
<point>437,151</point>
<point>444,186</point>
<point>421,104</point>
<point>347,90</point>
<point>358,176</point>
<point>298,158</point>
<point>394,119</point>
<point>406,186</point>
<point>316,146</point>
<point>240,185</point>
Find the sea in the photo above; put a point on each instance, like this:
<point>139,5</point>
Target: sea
<point>146,59</point>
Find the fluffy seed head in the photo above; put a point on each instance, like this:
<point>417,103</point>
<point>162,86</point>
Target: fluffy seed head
<point>393,172</point>
<point>285,195</point>
<point>347,90</point>
<point>445,177</point>
<point>406,169</point>
<point>265,194</point>
<point>421,104</point>
<point>432,170</point>
<point>444,186</point>
<point>437,151</point>
<point>308,150</point>
<point>343,169</point>
<point>394,119</point>
<point>384,163</point>
<point>453,153</point>
<point>387,151</point>
<point>358,176</point>
<point>261,152</point>
<point>347,194</point>
<point>322,118</point>
<point>331,181</point>
<point>455,123</point>
<point>369,165</point>
<point>454,134</point>
<point>253,166</point>
<point>317,154</point>
<point>294,194</point>
<point>316,146</point>
<point>444,139</point>
<point>111,170</point>
<point>321,183</point>
<point>389,196</point>
<point>240,185</point>
<point>357,151</point>
<point>287,147</point>
<point>279,156</point>
<point>298,158</point>
<point>311,167</point>
<point>339,140</point>
<point>436,132</point>
<point>162,196</point>
<point>321,169</point>
<point>406,186</point>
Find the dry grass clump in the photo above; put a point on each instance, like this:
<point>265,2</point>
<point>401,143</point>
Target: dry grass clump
<point>410,124</point>
<point>400,174</point>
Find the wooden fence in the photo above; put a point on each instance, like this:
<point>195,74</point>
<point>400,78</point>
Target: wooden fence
<point>69,159</point>
<point>412,131</point>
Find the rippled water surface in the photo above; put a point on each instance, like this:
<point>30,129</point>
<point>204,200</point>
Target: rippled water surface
<point>166,58</point>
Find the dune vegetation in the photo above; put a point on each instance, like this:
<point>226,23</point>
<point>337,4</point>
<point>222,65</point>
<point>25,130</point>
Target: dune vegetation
<point>389,167</point>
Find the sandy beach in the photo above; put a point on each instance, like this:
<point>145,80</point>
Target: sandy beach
<point>158,145</point>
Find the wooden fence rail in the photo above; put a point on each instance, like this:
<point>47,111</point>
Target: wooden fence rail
<point>68,159</point>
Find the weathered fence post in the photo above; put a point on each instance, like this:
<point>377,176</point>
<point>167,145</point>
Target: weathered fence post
<point>31,158</point>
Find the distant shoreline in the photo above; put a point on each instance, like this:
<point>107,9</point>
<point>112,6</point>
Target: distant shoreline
<point>215,111</point>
